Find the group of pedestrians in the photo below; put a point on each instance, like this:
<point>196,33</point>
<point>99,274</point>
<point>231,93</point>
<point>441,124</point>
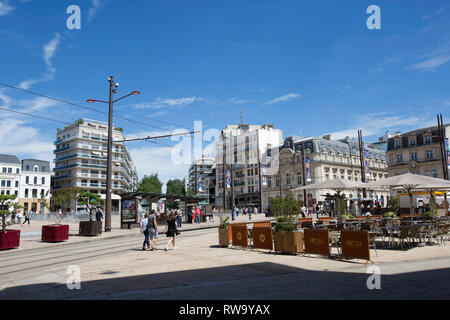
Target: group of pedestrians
<point>244,211</point>
<point>18,216</point>
<point>149,227</point>
<point>196,214</point>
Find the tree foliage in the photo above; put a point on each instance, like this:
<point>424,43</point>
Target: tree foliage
<point>285,206</point>
<point>150,183</point>
<point>63,199</point>
<point>92,201</point>
<point>175,186</point>
<point>6,201</point>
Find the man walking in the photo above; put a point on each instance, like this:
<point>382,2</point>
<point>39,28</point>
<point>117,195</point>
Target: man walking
<point>152,227</point>
<point>27,218</point>
<point>144,230</point>
<point>99,215</point>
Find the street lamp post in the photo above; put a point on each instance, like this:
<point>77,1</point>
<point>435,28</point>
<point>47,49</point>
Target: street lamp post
<point>108,204</point>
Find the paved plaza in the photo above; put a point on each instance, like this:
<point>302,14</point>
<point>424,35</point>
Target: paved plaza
<point>117,268</point>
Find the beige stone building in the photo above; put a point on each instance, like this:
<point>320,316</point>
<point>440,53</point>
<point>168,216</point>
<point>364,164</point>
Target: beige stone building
<point>328,160</point>
<point>416,152</point>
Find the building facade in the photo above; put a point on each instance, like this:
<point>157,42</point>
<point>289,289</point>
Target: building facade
<point>417,152</point>
<point>239,153</point>
<point>201,177</point>
<point>303,161</point>
<point>35,185</point>
<point>10,173</point>
<point>81,158</point>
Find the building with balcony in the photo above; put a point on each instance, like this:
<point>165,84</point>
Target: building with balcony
<point>322,159</point>
<point>81,160</point>
<point>201,179</point>
<point>35,185</point>
<point>418,152</point>
<point>239,152</point>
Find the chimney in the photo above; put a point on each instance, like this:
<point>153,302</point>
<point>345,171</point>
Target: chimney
<point>327,137</point>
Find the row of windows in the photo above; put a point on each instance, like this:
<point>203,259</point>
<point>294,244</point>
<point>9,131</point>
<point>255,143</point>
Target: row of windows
<point>7,184</point>
<point>428,156</point>
<point>35,180</point>
<point>412,141</point>
<point>9,170</point>
<point>34,193</point>
<point>2,192</point>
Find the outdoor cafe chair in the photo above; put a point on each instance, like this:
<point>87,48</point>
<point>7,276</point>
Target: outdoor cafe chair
<point>414,234</point>
<point>372,241</point>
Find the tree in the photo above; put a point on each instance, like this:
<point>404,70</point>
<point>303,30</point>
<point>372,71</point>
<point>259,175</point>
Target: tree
<point>63,199</point>
<point>6,201</point>
<point>150,184</point>
<point>43,200</point>
<point>175,186</point>
<point>285,207</point>
<point>190,192</point>
<point>92,201</point>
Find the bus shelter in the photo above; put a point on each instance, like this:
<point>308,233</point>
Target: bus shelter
<point>136,204</point>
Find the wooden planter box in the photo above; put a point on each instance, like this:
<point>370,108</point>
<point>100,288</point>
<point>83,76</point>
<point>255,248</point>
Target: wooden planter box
<point>9,239</point>
<point>55,233</point>
<point>90,228</point>
<point>289,242</point>
<point>224,239</point>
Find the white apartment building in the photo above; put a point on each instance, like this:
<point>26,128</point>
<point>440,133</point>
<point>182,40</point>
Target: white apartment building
<point>34,185</point>
<point>81,158</point>
<point>10,171</point>
<point>244,146</point>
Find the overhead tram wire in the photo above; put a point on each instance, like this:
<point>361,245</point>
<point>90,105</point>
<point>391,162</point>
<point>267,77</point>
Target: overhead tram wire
<point>33,115</point>
<point>77,105</point>
<point>87,108</point>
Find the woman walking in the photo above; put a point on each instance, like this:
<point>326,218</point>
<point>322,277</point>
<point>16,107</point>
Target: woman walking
<point>170,230</point>
<point>27,217</point>
<point>144,230</point>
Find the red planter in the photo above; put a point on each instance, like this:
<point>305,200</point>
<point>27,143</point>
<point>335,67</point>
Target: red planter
<point>55,232</point>
<point>9,239</point>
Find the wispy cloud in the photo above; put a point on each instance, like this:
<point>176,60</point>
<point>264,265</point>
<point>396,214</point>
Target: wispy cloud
<point>284,98</point>
<point>94,9</point>
<point>5,8</point>
<point>377,124</point>
<point>237,101</point>
<point>160,103</point>
<point>48,53</point>
<point>431,62</point>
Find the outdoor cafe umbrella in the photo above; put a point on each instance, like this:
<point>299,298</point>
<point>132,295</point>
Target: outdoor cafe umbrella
<point>337,185</point>
<point>409,181</point>
<point>433,187</point>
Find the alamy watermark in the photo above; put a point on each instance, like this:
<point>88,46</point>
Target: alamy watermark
<point>374,280</point>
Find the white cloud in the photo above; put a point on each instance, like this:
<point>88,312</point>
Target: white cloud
<point>49,51</point>
<point>160,103</point>
<point>284,98</point>
<point>158,159</point>
<point>18,138</point>
<point>430,63</point>
<point>378,123</point>
<point>237,101</point>
<point>5,8</point>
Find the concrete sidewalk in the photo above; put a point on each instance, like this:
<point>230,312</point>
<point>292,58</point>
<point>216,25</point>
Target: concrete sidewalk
<point>31,235</point>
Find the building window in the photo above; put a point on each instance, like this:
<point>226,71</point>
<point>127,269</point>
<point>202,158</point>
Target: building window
<point>9,170</point>
<point>35,180</point>
<point>3,183</point>
<point>399,158</point>
<point>414,156</point>
<point>435,175</point>
<point>397,144</point>
<point>34,193</point>
<point>8,183</point>
<point>17,170</point>
<point>412,142</point>
<point>17,184</point>
<point>428,172</point>
<point>36,168</point>
<point>4,170</point>
<point>26,193</point>
<point>429,154</point>
<point>288,179</point>
<point>427,139</point>
<point>43,180</point>
<point>27,179</point>
<point>299,178</point>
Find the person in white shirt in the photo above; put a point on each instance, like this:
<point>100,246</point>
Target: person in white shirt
<point>144,231</point>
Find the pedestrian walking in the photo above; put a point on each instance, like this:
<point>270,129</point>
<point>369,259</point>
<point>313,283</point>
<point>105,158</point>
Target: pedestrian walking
<point>249,211</point>
<point>144,230</point>
<point>179,217</point>
<point>303,211</point>
<point>198,214</point>
<point>99,215</point>
<point>171,231</point>
<point>19,216</point>
<point>152,227</point>
<point>193,214</point>
<point>27,218</point>
<point>235,212</point>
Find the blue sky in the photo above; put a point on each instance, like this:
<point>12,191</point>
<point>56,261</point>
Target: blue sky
<point>306,65</point>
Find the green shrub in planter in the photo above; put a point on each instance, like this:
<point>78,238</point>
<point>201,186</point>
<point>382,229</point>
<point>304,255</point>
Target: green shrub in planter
<point>428,214</point>
<point>285,224</point>
<point>224,222</point>
<point>389,214</point>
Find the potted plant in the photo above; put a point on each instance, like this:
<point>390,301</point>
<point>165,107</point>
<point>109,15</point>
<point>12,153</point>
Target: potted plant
<point>389,214</point>
<point>428,215</point>
<point>57,232</point>
<point>224,239</point>
<point>92,201</point>
<point>287,238</point>
<point>9,239</point>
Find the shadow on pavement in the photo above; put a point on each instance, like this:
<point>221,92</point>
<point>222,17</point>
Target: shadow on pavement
<point>259,281</point>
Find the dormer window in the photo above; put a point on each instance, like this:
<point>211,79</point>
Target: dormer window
<point>427,139</point>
